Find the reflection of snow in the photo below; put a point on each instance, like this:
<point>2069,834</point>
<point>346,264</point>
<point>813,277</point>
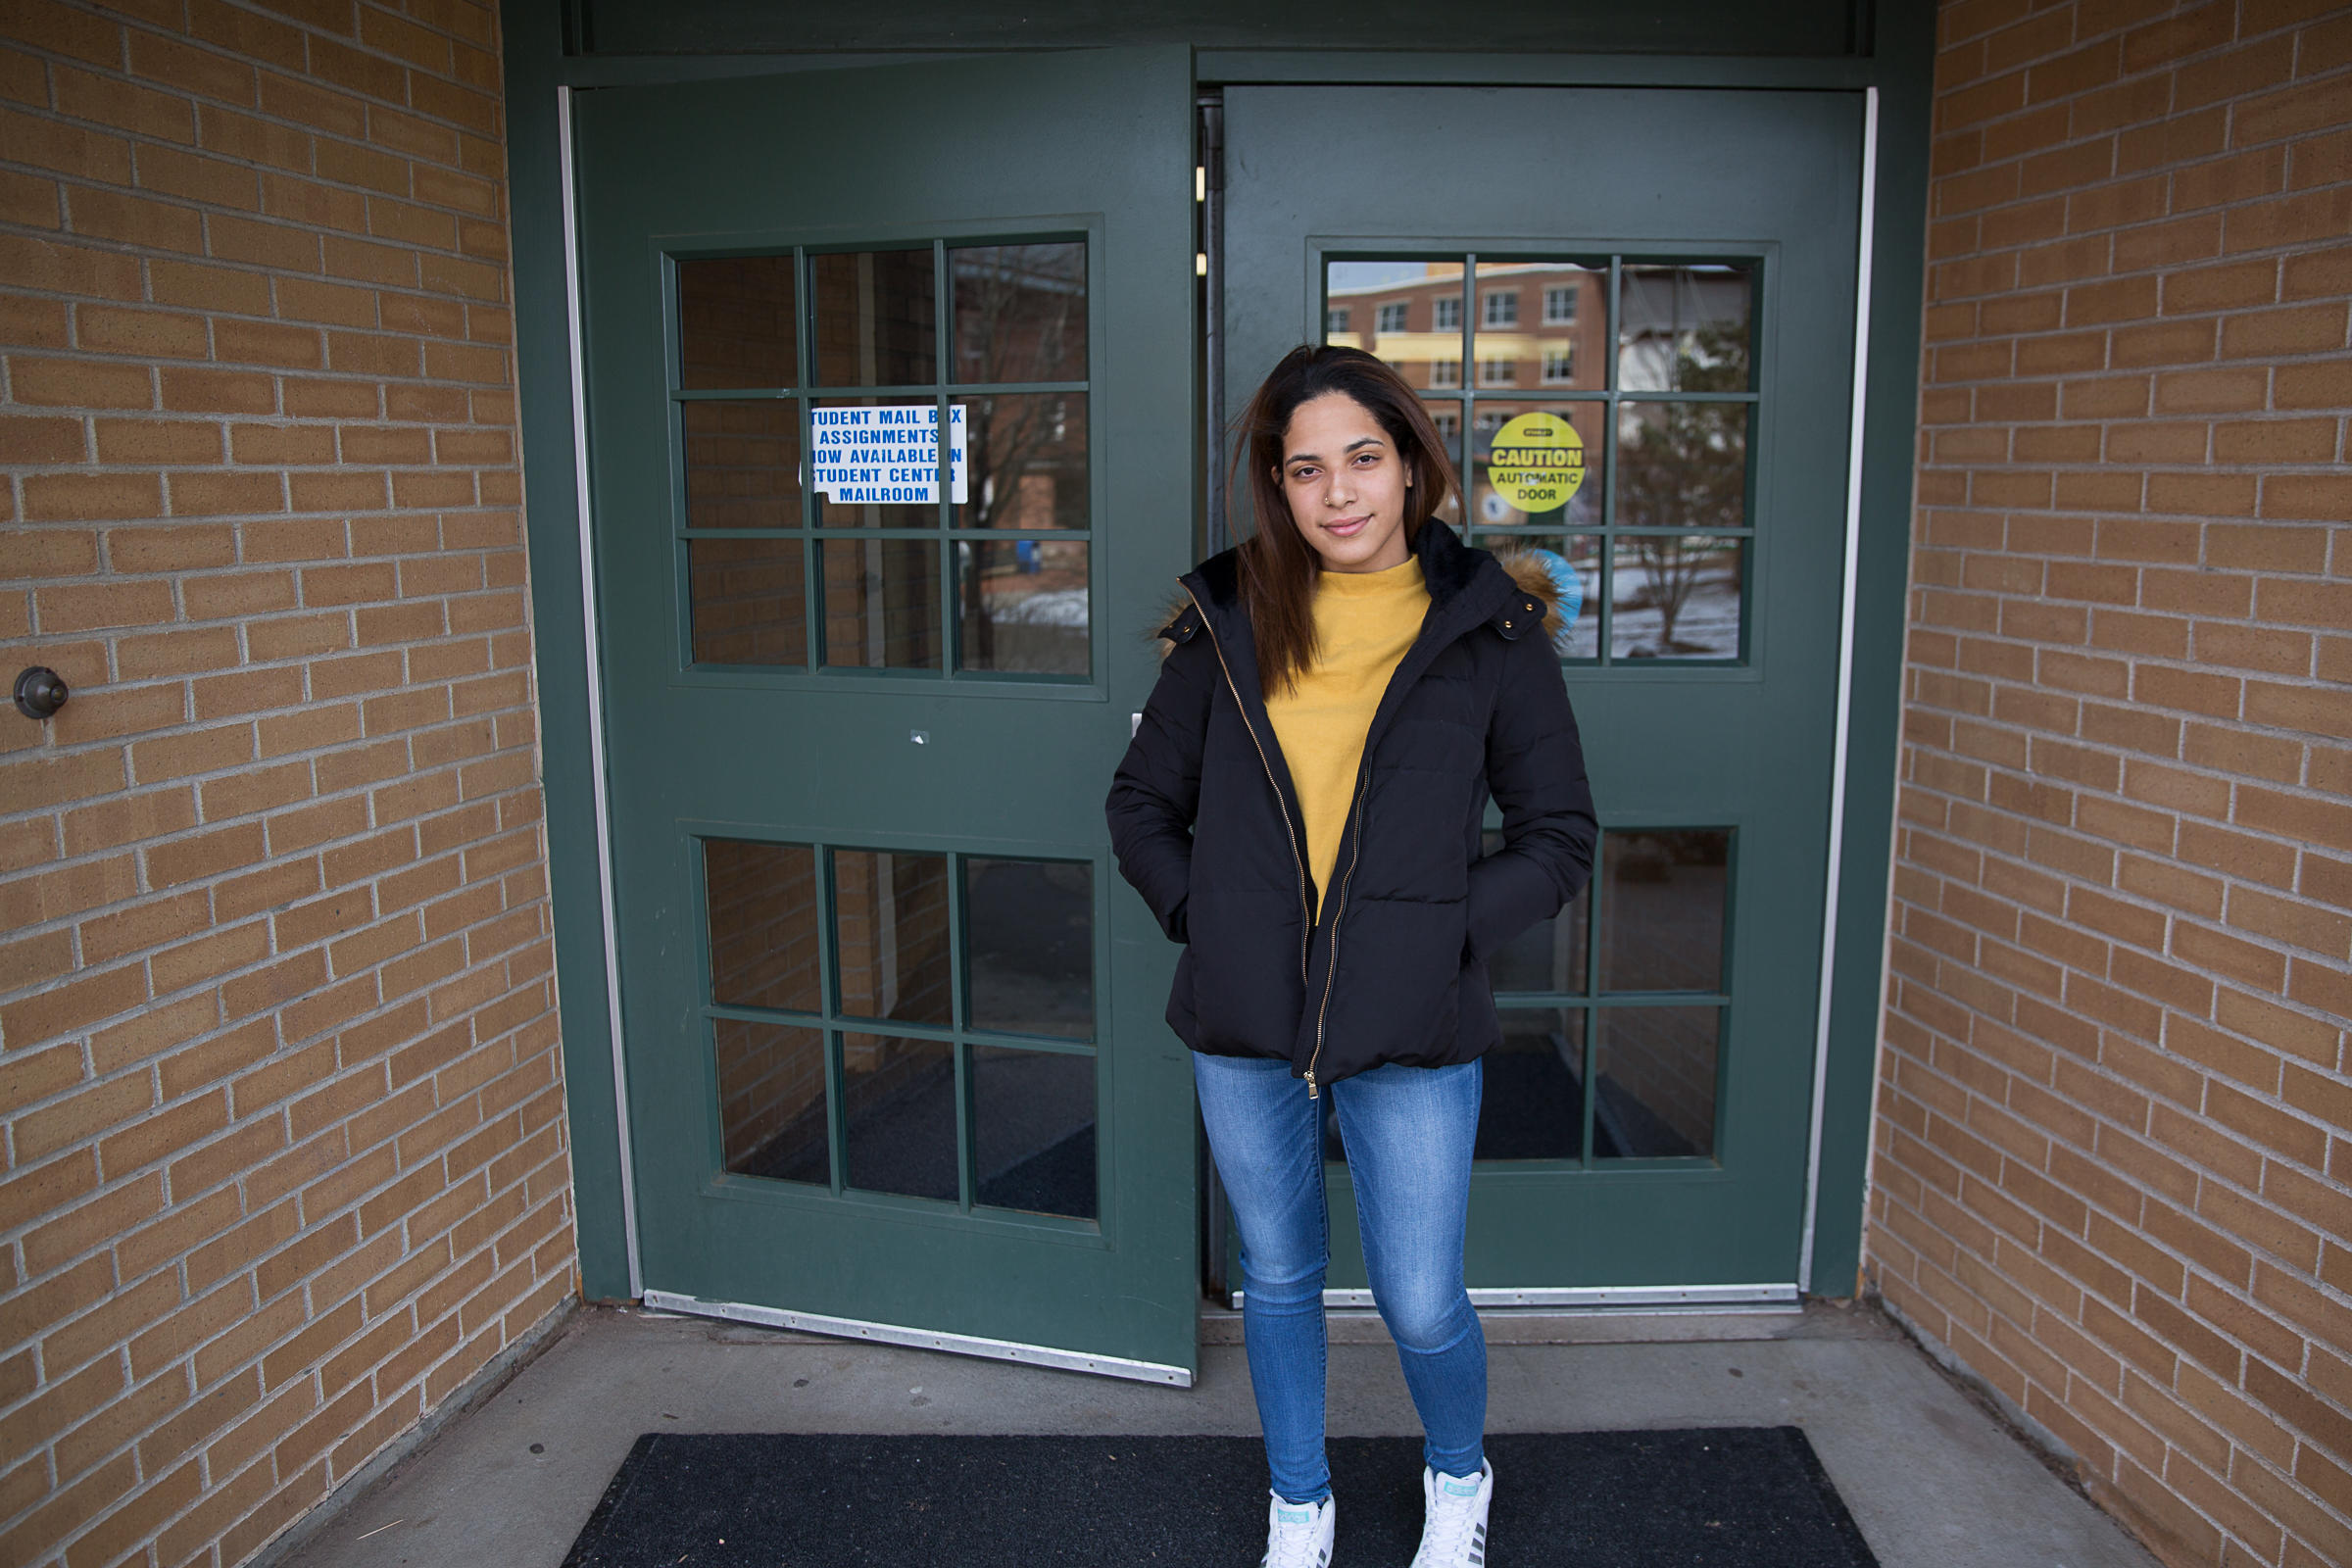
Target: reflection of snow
<point>1053,607</point>
<point>1706,627</point>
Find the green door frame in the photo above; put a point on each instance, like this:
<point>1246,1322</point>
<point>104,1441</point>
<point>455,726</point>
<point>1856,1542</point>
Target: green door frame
<point>541,69</point>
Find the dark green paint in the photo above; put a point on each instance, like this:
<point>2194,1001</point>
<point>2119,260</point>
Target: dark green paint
<point>1769,178</point>
<point>1011,767</point>
<point>543,363</point>
<point>1237,67</point>
<point>1906,39</point>
<point>1795,27</point>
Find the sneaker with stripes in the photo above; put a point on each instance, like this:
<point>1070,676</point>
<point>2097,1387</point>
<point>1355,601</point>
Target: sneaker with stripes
<point>1453,1518</point>
<point>1298,1534</point>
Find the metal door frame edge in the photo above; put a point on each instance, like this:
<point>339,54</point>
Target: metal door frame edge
<point>850,1328</point>
<point>1694,1297</point>
<point>591,626</point>
<point>1842,747</point>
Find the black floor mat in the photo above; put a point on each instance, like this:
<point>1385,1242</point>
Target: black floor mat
<point>1705,1497</point>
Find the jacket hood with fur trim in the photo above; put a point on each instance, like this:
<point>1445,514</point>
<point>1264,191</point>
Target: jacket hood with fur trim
<point>1527,568</point>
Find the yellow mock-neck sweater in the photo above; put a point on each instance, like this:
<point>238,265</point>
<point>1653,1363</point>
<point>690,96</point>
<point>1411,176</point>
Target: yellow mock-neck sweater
<point>1364,623</point>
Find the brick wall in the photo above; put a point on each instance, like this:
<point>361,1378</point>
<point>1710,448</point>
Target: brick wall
<point>2115,1122</point>
<point>284,1153</point>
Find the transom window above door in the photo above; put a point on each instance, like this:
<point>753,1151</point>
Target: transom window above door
<point>1610,430</point>
<point>882,459</point>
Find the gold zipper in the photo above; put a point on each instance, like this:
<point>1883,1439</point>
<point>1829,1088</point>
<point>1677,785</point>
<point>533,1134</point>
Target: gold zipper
<point>1331,970</point>
<point>1297,861</point>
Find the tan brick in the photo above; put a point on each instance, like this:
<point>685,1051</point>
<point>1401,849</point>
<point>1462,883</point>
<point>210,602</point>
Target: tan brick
<point>2202,495</point>
<point>313,205</point>
<point>203,751</point>
<point>30,200</point>
<point>2293,110</point>
<point>113,215</point>
<point>274,245</point>
<point>2298,706</point>
<point>2302,217</point>
<point>228,596</point>
<point>193,391</point>
<point>2274,441</point>
<point>228,494</point>
<point>2162,342</point>
<point>272,987</point>
<point>2254,648</point>
<point>205,855</point>
<point>2320,498</point>
<point>97,497</point>
<point>147,923</point>
<point>254,140</point>
<point>34,323</point>
<point>46,25</point>
<point>309,728</point>
<point>78,384</point>
<point>197,177</point>
<point>293,348</point>
<point>2293,329</point>
<point>2316,273</point>
<point>2242,855</point>
<point>48,551</point>
<point>259,789</point>
<point>325,398</point>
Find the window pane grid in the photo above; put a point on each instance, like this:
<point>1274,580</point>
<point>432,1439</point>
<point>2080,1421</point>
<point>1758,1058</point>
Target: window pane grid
<point>837,596</point>
<point>1657,909</point>
<point>899,1011</point>
<point>1658,352</point>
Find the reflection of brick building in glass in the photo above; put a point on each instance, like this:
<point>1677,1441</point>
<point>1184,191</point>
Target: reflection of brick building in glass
<point>1539,330</point>
<point>1537,326</point>
<point>1513,338</point>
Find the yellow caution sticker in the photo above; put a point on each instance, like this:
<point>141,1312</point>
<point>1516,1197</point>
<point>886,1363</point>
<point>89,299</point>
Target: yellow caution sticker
<point>1537,463</point>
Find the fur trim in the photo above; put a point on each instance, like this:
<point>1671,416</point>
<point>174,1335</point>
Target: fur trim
<point>1534,576</point>
<point>1177,606</point>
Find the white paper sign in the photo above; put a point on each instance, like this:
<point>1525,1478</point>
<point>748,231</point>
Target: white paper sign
<point>888,454</point>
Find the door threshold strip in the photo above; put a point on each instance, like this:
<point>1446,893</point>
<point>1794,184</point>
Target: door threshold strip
<point>1610,1298</point>
<point>850,1328</point>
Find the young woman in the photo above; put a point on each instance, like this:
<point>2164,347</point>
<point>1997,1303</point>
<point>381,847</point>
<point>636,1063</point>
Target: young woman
<point>1300,808</point>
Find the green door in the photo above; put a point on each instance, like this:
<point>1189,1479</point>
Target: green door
<point>890,405</point>
<point>1633,314</point>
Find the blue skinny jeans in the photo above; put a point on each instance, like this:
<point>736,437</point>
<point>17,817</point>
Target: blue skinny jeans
<point>1408,1133</point>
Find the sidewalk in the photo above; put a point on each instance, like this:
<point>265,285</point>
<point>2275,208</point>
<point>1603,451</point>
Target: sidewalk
<point>1932,1480</point>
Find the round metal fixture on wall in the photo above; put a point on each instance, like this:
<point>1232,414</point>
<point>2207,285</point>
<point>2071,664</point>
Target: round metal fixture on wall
<point>40,692</point>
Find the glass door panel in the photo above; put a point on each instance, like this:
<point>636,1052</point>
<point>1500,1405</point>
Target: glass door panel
<point>1640,356</point>
<point>890,1042</point>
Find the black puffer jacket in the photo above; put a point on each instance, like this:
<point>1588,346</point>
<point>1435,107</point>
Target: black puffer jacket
<point>1207,827</point>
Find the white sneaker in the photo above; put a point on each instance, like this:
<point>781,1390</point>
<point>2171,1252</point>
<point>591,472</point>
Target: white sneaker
<point>1298,1534</point>
<point>1454,1519</point>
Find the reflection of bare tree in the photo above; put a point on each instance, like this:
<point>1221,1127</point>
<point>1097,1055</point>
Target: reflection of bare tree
<point>1020,315</point>
<point>1673,566</point>
<point>1685,466</point>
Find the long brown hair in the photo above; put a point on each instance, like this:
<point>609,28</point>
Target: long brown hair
<point>1279,566</point>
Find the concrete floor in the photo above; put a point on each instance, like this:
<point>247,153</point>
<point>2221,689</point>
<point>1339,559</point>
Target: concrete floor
<point>1932,1480</point>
